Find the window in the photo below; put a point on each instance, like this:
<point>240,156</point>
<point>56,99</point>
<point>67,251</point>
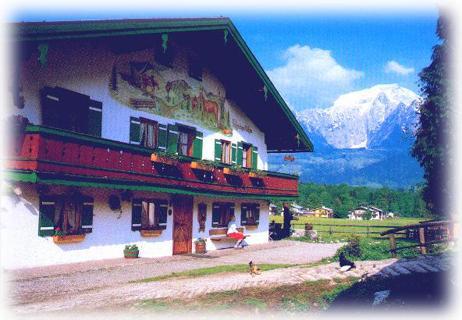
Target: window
<point>226,152</point>
<point>247,155</point>
<point>68,214</point>
<point>250,213</point>
<point>221,214</point>
<point>69,110</point>
<point>149,214</point>
<point>149,133</point>
<point>185,141</point>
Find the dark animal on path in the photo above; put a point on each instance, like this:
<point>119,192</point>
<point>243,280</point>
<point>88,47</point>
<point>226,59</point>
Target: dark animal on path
<point>253,269</point>
<point>345,264</point>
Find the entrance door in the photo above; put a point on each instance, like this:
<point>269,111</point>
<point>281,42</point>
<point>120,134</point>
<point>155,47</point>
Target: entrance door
<point>182,224</point>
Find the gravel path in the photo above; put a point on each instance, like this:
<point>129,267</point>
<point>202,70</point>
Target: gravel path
<point>187,288</point>
<point>47,285</point>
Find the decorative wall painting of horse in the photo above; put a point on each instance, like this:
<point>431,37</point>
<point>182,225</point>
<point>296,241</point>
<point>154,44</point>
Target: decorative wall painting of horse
<point>143,86</point>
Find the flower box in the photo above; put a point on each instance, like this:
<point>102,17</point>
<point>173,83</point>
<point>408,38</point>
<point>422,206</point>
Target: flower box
<point>150,233</point>
<point>71,238</point>
<point>201,166</point>
<point>227,171</point>
<point>231,171</point>
<point>163,159</point>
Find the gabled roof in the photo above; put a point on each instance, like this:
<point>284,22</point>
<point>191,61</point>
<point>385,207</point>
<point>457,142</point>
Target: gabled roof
<point>272,115</point>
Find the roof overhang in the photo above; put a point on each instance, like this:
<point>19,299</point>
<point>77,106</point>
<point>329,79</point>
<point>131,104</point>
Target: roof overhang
<point>254,91</point>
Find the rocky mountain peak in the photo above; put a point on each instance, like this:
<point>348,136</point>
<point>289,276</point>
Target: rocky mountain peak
<point>357,118</point>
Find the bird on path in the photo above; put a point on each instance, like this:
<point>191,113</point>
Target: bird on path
<point>345,264</point>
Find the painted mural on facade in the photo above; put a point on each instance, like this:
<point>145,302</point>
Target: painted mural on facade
<point>146,86</point>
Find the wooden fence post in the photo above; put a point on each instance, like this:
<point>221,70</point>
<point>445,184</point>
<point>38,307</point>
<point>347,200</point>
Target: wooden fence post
<point>330,230</point>
<point>367,232</point>
<point>392,239</point>
<point>423,247</point>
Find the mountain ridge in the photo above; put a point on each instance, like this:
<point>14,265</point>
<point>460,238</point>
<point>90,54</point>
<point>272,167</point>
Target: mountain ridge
<point>355,117</point>
<point>363,139</point>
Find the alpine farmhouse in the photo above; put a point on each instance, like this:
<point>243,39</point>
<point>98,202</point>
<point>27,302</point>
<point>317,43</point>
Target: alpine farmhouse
<point>147,132</point>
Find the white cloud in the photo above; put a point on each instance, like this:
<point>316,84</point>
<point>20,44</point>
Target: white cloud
<point>394,67</point>
<point>311,77</point>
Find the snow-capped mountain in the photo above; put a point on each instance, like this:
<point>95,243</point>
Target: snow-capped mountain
<point>364,119</point>
<point>363,139</point>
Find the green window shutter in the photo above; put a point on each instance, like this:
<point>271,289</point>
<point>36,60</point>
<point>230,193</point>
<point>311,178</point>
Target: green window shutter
<point>239,154</point>
<point>215,215</point>
<point>254,157</point>
<point>162,138</point>
<point>135,130</point>
<point>234,153</point>
<point>172,140</point>
<point>163,209</point>
<point>46,216</point>
<point>218,150</point>
<point>95,117</point>
<point>197,145</point>
<point>87,217</point>
<point>136,215</point>
<point>244,209</point>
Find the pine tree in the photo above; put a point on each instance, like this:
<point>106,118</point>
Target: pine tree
<point>431,147</point>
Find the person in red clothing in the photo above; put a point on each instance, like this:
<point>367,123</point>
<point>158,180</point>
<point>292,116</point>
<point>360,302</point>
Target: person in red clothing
<point>234,233</point>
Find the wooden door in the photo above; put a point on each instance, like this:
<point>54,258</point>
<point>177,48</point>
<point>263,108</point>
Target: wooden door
<point>182,224</point>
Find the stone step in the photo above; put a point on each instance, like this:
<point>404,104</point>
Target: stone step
<point>400,269</point>
<point>428,267</point>
<point>414,266</point>
<point>389,271</point>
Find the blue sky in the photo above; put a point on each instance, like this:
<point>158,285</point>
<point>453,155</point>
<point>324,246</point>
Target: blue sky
<point>313,58</point>
<point>361,45</point>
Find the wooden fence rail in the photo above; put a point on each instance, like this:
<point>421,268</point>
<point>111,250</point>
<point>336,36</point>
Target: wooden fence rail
<point>428,233</point>
<point>339,228</point>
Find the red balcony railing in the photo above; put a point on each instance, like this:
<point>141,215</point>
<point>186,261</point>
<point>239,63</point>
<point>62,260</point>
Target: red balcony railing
<point>68,156</point>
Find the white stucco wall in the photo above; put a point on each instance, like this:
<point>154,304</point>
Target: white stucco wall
<point>22,247</point>
<point>84,66</point>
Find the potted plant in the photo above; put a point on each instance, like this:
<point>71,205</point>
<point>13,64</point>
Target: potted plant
<point>200,245</point>
<point>131,251</point>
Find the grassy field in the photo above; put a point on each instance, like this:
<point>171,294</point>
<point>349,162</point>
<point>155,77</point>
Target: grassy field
<point>314,221</point>
<point>339,229</point>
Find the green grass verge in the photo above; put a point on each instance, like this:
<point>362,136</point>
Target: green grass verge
<point>303,297</point>
<point>212,270</point>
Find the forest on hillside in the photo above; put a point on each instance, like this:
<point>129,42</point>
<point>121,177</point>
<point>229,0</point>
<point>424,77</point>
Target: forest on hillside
<point>343,198</point>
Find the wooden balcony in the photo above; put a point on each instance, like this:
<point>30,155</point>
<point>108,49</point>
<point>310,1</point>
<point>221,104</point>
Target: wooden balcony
<point>54,156</point>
